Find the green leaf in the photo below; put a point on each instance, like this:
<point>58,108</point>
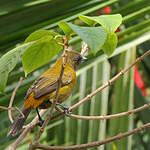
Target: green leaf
<point>110,44</point>
<point>39,34</point>
<point>93,36</point>
<point>87,20</point>
<point>47,44</point>
<point>66,28</point>
<point>40,53</point>
<point>3,79</point>
<point>37,38</point>
<point>109,22</point>
<point>8,63</point>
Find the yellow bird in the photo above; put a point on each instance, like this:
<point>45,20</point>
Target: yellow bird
<point>42,92</point>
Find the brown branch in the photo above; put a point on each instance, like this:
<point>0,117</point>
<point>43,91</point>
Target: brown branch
<point>96,143</point>
<point>12,99</point>
<point>49,116</point>
<point>109,82</point>
<point>118,115</point>
<point>28,128</point>
<point>100,89</point>
<point>12,109</point>
<point>6,108</point>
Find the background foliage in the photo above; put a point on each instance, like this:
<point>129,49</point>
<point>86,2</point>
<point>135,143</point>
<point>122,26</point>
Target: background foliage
<point>20,18</point>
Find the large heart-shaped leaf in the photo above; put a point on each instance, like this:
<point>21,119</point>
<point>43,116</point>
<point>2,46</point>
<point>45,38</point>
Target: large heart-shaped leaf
<point>8,62</point>
<point>40,53</point>
<point>93,36</point>
<point>39,41</point>
<point>39,34</point>
<point>109,22</point>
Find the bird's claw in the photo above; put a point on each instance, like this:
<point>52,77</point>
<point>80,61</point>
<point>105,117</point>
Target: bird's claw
<point>40,123</point>
<point>65,109</point>
<point>67,112</point>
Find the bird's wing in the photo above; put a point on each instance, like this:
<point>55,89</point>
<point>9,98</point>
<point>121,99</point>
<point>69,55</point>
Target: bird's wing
<point>45,85</point>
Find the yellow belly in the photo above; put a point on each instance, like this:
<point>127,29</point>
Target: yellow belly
<point>64,93</point>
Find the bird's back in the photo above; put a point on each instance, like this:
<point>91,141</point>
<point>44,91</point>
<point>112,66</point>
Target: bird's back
<point>44,89</point>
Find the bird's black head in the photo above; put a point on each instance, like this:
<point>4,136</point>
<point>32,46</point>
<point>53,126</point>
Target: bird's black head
<point>75,58</point>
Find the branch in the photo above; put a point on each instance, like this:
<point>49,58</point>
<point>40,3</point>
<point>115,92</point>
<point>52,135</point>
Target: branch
<point>118,115</point>
<point>96,143</point>
<point>109,82</point>
<point>6,108</point>
<point>28,128</point>
<point>49,116</point>
<point>12,100</point>
<point>12,109</point>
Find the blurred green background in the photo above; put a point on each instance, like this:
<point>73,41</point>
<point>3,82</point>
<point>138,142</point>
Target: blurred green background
<point>19,18</point>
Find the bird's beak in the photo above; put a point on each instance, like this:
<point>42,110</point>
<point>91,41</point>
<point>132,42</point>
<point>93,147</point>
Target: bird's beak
<point>84,59</point>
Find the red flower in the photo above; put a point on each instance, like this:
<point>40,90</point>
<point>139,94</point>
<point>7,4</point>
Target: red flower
<point>107,10</point>
<point>138,81</point>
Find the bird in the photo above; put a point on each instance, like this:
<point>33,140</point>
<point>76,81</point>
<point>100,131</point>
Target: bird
<point>42,92</point>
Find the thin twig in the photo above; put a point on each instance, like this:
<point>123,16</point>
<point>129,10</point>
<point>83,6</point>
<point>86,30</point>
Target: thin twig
<point>12,109</point>
<point>49,116</point>
<point>109,82</point>
<point>12,99</point>
<point>95,143</point>
<point>6,108</point>
<point>118,115</point>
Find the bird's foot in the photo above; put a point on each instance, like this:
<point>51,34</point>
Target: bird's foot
<point>67,112</point>
<point>65,108</point>
<point>40,123</point>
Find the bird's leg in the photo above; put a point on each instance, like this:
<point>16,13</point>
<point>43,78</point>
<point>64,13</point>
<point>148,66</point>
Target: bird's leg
<point>40,119</point>
<point>65,108</point>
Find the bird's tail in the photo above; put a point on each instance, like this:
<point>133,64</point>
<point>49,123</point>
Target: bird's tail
<point>19,122</point>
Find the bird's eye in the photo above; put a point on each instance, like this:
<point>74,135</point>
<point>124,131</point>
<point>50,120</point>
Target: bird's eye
<point>77,59</point>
